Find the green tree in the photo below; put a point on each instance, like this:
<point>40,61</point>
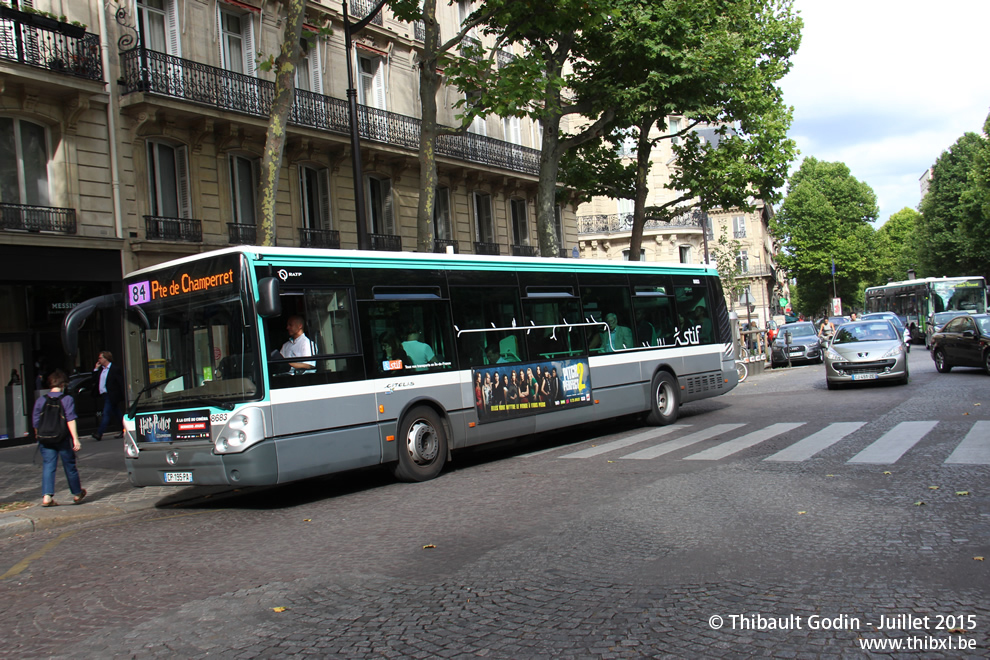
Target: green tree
<point>896,249</point>
<point>715,63</point>
<point>942,236</point>
<point>975,223</point>
<point>726,253</point>
<point>825,219</point>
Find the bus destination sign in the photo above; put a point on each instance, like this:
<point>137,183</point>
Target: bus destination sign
<point>517,389</point>
<point>139,293</point>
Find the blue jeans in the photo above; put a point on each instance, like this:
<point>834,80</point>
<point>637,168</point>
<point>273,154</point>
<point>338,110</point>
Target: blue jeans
<point>109,408</point>
<point>50,457</point>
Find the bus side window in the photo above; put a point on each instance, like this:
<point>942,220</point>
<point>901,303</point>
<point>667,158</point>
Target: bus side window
<point>557,341</point>
<point>693,315</point>
<point>495,311</point>
<point>598,304</point>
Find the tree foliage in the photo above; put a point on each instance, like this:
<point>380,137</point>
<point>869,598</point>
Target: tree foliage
<point>825,218</point>
<point>896,249</point>
<point>942,235</point>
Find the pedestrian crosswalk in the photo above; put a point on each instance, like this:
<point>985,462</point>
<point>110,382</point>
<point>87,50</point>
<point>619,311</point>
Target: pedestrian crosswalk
<point>886,448</point>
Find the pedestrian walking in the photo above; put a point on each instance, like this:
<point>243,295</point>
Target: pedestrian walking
<point>54,418</point>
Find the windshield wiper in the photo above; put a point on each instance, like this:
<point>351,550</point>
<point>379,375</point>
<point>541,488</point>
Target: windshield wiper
<point>133,410</point>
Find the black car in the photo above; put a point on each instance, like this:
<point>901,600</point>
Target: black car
<point>84,389</point>
<point>936,322</point>
<point>796,341</point>
<point>963,342</point>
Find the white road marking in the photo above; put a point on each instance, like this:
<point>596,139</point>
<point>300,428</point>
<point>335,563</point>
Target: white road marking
<point>816,442</point>
<point>893,444</point>
<point>622,443</point>
<point>680,443</point>
<point>744,442</point>
<point>975,447</point>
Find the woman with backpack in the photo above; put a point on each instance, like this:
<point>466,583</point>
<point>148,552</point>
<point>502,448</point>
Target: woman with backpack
<point>55,427</point>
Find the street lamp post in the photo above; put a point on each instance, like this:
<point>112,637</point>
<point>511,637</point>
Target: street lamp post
<point>359,205</point>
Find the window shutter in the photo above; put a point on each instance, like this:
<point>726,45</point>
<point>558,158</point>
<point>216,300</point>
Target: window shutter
<point>182,181</point>
<point>388,206</point>
<point>249,53</point>
<point>325,218</point>
<point>172,28</point>
<point>316,68</point>
<point>380,84</point>
<point>222,62</point>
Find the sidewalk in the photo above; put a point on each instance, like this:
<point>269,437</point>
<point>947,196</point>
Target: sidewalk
<point>103,475</point>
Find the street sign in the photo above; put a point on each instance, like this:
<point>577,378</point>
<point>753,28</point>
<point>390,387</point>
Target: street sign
<point>836,306</point>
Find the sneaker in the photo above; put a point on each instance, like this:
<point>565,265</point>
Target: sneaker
<point>80,497</point>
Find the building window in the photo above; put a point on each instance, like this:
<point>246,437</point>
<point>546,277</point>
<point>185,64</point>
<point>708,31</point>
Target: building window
<point>442,227</point>
<point>372,88</point>
<point>236,41</point>
<point>484,226</point>
<point>742,261</point>
<point>739,226</point>
<point>243,178</point>
<point>642,254</point>
<point>168,180</point>
<point>309,75</point>
<point>512,130</point>
<point>23,162</point>
<point>314,188</point>
<point>159,24</point>
<point>685,251</point>
<point>520,222</point>
<point>378,191</point>
<point>675,127</point>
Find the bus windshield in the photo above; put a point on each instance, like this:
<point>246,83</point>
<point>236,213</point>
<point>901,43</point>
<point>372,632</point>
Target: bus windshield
<point>960,296</point>
<point>190,348</point>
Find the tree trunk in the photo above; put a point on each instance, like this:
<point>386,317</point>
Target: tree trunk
<point>643,150</point>
<point>429,83</point>
<point>546,192</point>
<point>285,88</point>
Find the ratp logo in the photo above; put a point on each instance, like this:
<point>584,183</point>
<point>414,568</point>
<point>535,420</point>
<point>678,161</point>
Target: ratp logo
<point>284,275</point>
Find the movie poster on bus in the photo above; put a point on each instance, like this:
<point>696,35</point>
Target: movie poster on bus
<point>517,389</point>
<point>174,427</point>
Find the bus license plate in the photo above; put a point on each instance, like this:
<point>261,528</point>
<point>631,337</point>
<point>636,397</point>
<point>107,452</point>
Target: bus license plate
<point>178,477</point>
<point>865,376</point>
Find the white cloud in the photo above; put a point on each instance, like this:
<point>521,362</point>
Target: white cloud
<point>886,87</point>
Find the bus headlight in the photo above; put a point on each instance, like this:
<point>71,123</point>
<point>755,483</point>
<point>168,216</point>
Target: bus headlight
<point>244,428</point>
<point>130,447</point>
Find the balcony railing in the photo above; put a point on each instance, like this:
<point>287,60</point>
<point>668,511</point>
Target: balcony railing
<point>158,73</point>
<point>27,217</point>
<point>386,242</point>
<point>524,251</point>
<point>48,47</point>
<point>492,249</point>
<point>738,233</point>
<point>361,8</point>
<point>622,222</point>
<point>158,228</point>
<point>319,238</point>
<point>242,234</point>
<point>440,245</point>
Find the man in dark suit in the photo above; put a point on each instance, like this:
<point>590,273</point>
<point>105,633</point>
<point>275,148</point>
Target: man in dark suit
<point>110,384</point>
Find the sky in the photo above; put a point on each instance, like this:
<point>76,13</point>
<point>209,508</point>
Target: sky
<point>885,86</point>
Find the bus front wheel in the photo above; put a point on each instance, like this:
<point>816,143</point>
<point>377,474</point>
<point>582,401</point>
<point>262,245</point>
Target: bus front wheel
<point>664,399</point>
<point>423,448</point>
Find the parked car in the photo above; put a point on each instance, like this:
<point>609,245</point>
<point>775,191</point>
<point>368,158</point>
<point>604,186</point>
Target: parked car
<point>936,322</point>
<point>865,351</point>
<point>963,342</point>
<point>898,323</point>
<point>797,341</point>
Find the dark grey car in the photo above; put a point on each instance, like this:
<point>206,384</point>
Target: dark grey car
<point>797,341</point>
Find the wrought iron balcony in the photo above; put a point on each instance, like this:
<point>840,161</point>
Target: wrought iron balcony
<point>524,251</point>
<point>386,242</point>
<point>27,217</point>
<point>440,245</point>
<point>493,249</point>
<point>161,74</point>
<point>157,228</point>
<point>623,222</point>
<point>738,233</point>
<point>319,238</point>
<point>242,234</point>
<point>361,8</point>
<point>41,42</point>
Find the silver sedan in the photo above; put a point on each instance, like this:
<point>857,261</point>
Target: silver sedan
<point>865,351</point>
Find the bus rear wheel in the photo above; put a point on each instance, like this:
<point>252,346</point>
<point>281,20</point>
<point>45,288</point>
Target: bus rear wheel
<point>664,399</point>
<point>423,448</point>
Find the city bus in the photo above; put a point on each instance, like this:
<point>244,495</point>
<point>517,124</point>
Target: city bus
<point>405,357</point>
<point>918,301</point>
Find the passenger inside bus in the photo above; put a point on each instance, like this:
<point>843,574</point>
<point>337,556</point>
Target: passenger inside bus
<point>298,345</point>
<point>419,352</point>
